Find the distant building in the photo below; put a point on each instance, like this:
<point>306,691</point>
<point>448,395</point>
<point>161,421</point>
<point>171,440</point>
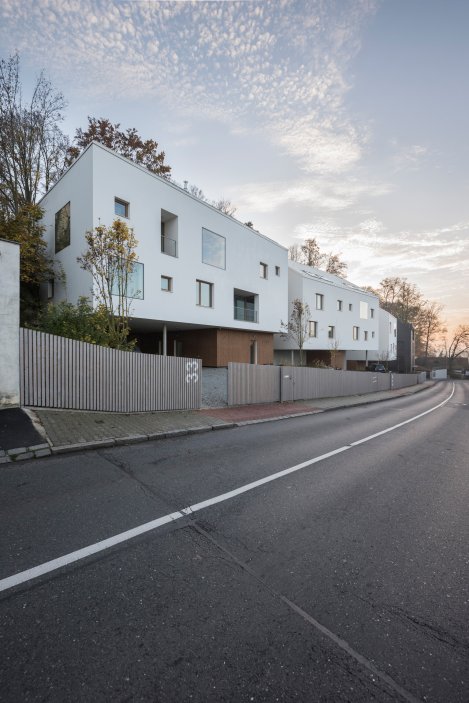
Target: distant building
<point>343,326</point>
<point>205,285</point>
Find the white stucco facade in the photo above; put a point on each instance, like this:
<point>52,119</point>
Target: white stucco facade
<point>92,185</point>
<point>387,341</point>
<point>343,317</point>
<point>9,324</point>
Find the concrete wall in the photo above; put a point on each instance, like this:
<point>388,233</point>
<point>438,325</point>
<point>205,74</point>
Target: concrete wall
<point>9,324</point>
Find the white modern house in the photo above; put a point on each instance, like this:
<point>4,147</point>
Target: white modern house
<point>205,285</point>
<point>343,325</point>
<point>387,343</point>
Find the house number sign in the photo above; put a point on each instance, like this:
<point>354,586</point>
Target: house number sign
<point>192,372</point>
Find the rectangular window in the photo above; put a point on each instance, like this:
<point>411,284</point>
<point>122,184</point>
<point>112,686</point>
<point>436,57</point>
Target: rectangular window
<point>339,305</point>
<point>62,228</point>
<point>355,333</point>
<point>372,335</point>
<point>121,207</point>
<point>277,270</point>
<point>350,307</point>
<point>365,334</point>
<point>313,328</point>
<point>213,249</point>
<point>263,270</point>
<point>363,310</point>
<point>166,284</point>
<point>204,294</point>
<point>134,281</point>
<point>331,331</point>
<point>319,301</point>
<point>372,313</point>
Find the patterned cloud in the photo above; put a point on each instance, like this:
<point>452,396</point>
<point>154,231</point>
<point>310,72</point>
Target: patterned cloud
<point>273,65</point>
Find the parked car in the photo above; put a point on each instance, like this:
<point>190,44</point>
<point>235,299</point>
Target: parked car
<point>378,368</point>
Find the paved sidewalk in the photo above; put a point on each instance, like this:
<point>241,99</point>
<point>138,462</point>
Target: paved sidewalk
<point>73,430</point>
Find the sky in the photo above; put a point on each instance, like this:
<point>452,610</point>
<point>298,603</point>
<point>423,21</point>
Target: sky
<point>343,120</point>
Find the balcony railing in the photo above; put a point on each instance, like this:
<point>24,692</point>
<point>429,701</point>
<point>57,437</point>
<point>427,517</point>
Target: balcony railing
<point>245,314</point>
<point>168,246</point>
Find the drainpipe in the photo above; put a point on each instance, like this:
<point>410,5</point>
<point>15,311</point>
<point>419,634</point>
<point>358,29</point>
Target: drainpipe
<point>165,340</point>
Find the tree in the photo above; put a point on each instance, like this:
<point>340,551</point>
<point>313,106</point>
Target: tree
<point>35,265</point>
<point>128,144</point>
<point>309,253</point>
<point>457,345</point>
<point>32,147</point>
<point>297,327</point>
<point>110,259</point>
<point>81,322</point>
<point>430,325</point>
<point>225,206</point>
<point>406,302</point>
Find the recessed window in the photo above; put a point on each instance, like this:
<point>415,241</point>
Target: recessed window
<point>62,228</point>
<point>245,306</point>
<point>213,249</point>
<point>50,288</point>
<point>169,233</point>
<point>331,331</point>
<point>121,207</point>
<point>319,301</point>
<point>277,270</point>
<point>365,334</point>
<point>355,333</point>
<point>204,293</point>
<point>166,284</point>
<point>263,270</point>
<point>313,328</point>
<point>350,307</point>
<point>372,313</point>
<point>339,305</point>
<point>372,335</point>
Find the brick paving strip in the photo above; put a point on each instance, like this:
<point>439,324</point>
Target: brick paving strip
<point>257,413</point>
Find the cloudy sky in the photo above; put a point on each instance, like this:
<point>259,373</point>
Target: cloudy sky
<point>344,120</point>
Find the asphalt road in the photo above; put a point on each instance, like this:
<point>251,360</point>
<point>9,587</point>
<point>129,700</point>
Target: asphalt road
<point>345,579</point>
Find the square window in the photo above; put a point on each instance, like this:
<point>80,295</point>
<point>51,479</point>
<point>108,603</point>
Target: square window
<point>62,228</point>
<point>319,301</point>
<point>263,270</point>
<point>339,305</point>
<point>331,331</point>
<point>204,293</point>
<point>133,277</point>
<point>213,249</point>
<point>121,208</point>
<point>166,284</point>
<point>277,270</point>
<point>313,328</point>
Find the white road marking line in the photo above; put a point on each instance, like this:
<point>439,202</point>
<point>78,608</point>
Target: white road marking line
<point>79,554</point>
